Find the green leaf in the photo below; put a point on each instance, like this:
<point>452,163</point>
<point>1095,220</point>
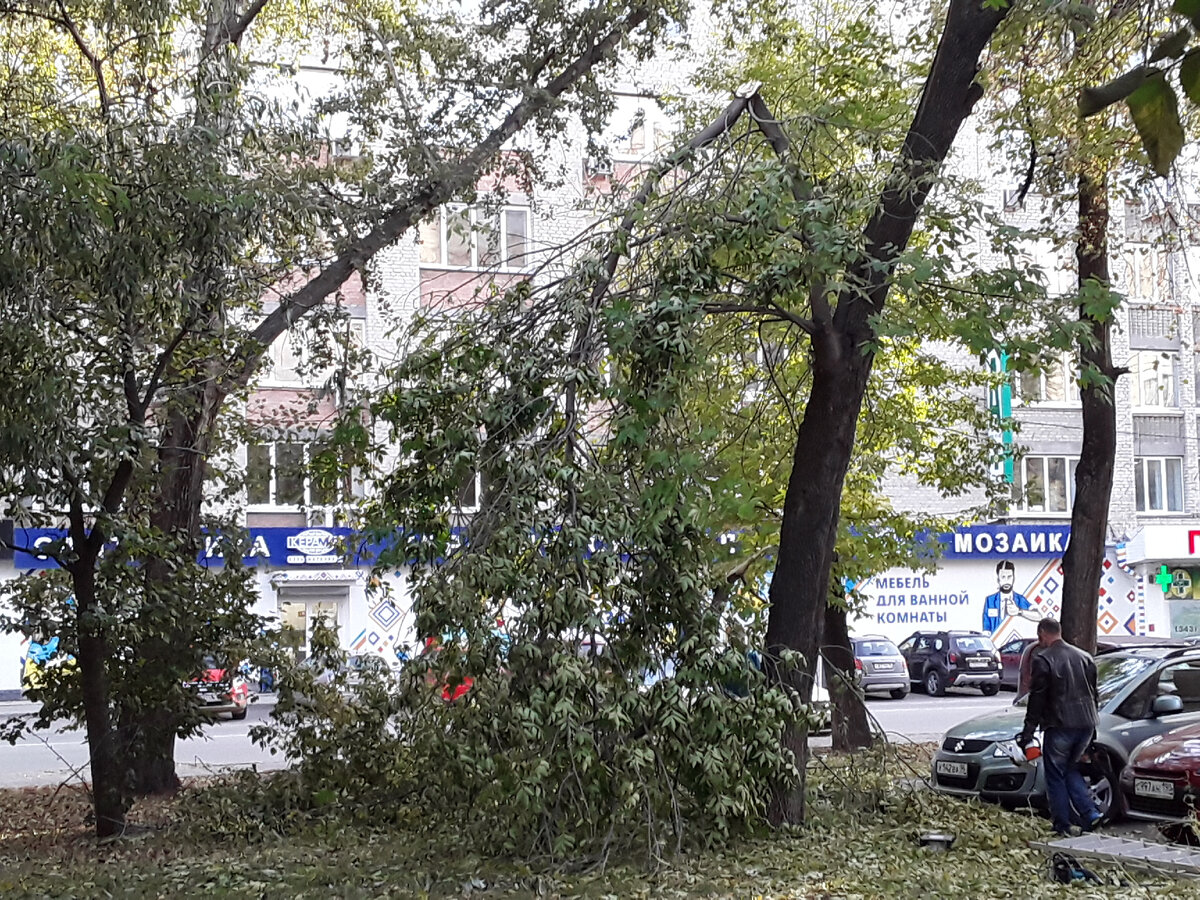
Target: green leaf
<point>1189,8</point>
<point>1155,113</point>
<point>1172,46</point>
<point>1189,76</point>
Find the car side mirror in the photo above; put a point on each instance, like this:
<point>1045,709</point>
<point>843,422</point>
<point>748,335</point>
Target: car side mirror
<point>1167,704</point>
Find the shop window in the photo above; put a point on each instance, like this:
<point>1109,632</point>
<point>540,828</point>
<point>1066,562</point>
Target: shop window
<point>1158,483</point>
<point>1152,376</point>
<point>1044,484</point>
<point>279,473</point>
<point>472,238</point>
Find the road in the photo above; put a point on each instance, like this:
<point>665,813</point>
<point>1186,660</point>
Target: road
<point>52,756</point>
<point>923,719</point>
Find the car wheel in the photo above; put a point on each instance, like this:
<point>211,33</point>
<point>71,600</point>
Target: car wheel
<point>1103,776</point>
<point>239,713</point>
<point>898,694</point>
<point>933,683</point>
<point>990,690</point>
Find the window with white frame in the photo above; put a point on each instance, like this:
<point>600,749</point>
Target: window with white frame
<point>1044,484</point>
<point>278,474</point>
<point>472,238</point>
<point>468,494</point>
<point>1152,376</point>
<point>1146,271</point>
<point>1057,383</point>
<point>293,361</point>
<point>1158,483</point>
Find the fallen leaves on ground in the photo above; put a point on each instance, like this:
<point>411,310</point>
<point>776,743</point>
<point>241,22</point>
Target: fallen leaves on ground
<point>861,842</point>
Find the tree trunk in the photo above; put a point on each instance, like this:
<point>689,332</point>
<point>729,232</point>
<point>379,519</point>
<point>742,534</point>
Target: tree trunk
<point>150,733</point>
<point>842,362</point>
<point>851,729</point>
<point>108,794</point>
<point>1083,563</point>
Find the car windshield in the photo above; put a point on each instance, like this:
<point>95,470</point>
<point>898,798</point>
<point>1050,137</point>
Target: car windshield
<point>971,644</point>
<point>876,648</point>
<point>1112,674</point>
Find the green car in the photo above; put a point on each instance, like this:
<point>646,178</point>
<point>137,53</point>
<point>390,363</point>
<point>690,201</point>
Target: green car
<point>1144,692</point>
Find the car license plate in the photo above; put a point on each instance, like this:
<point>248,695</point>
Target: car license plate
<point>977,663</point>
<point>884,667</point>
<point>952,769</point>
<point>1148,787</point>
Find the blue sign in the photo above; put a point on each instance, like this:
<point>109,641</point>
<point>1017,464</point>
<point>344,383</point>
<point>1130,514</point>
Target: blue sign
<point>1006,542</point>
<point>275,546</point>
<point>339,547</point>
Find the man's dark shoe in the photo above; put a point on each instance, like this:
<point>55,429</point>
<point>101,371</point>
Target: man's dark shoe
<point>1093,824</point>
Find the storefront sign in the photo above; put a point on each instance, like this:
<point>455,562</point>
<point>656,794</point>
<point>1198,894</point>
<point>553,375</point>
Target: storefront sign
<point>276,546</point>
<point>1006,541</point>
<point>1163,543</point>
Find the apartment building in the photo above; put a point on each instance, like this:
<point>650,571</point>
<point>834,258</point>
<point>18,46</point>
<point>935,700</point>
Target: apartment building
<point>1005,572</point>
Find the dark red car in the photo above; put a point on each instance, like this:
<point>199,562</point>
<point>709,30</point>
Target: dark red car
<point>219,689</point>
<point>1162,779</point>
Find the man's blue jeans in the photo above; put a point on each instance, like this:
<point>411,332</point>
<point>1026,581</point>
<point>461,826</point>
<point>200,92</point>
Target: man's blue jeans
<point>1065,787</point>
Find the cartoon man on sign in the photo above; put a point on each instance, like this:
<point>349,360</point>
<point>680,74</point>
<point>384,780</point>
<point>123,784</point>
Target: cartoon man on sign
<point>1006,602</point>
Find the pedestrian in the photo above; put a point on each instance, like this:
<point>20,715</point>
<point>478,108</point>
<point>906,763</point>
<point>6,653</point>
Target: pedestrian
<point>1062,702</point>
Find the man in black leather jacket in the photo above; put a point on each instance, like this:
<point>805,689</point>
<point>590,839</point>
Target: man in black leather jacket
<point>1062,701</point>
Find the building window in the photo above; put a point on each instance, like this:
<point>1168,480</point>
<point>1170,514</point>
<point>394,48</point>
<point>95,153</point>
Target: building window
<point>296,359</point>
<point>1044,484</point>
<point>1058,383</point>
<point>468,495</point>
<point>1158,483</point>
<point>471,238</point>
<point>277,474</point>
<point>1146,271</point>
<point>1152,374</point>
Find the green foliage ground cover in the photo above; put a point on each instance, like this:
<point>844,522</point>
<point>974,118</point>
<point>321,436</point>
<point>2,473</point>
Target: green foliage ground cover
<point>860,842</point>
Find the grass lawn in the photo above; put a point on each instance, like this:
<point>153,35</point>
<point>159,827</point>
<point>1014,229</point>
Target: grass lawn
<point>860,842</point>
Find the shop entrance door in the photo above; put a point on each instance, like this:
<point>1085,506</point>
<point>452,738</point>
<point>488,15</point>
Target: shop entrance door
<point>297,618</point>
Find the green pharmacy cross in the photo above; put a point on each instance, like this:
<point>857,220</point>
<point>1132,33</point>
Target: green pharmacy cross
<point>1164,580</point>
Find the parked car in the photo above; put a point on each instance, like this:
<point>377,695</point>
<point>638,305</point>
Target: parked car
<point>1144,692</point>
<point>941,659</point>
<point>1010,662</point>
<point>220,689</point>
<point>1012,654</point>
<point>1162,778</point>
<point>881,666</point>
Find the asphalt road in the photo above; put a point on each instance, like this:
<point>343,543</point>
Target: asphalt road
<point>55,755</point>
<point>923,719</point>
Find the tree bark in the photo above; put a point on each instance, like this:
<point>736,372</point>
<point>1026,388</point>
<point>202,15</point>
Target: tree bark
<point>108,794</point>
<point>842,361</point>
<point>851,729</point>
<point>1083,563</point>
<point>149,733</point>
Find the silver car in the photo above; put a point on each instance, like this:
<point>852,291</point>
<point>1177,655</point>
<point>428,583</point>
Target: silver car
<point>1143,692</point>
<point>881,667</point>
